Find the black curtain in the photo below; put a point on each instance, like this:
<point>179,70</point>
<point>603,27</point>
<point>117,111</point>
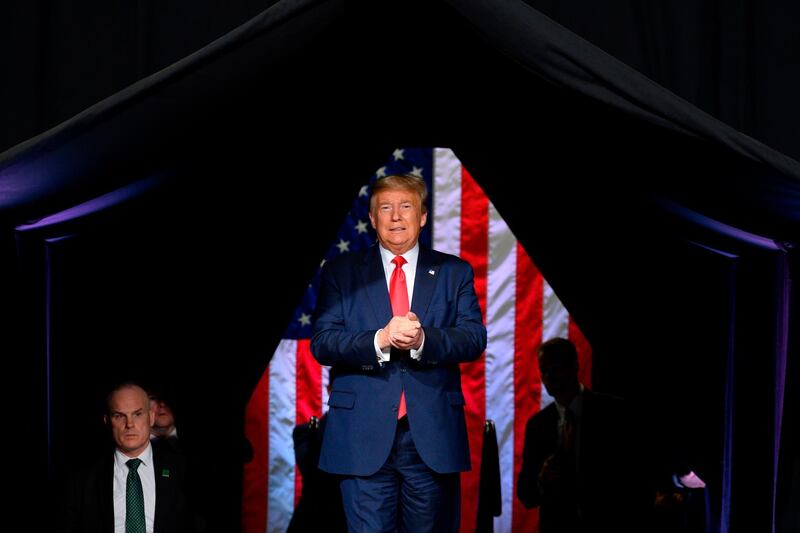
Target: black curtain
<point>736,60</point>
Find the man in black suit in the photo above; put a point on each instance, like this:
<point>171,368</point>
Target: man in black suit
<point>137,488</point>
<point>576,466</point>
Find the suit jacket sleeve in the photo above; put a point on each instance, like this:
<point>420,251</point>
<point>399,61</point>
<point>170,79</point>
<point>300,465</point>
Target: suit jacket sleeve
<point>331,343</point>
<point>86,503</point>
<point>534,453</point>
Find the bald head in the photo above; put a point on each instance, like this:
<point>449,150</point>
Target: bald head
<point>130,417</point>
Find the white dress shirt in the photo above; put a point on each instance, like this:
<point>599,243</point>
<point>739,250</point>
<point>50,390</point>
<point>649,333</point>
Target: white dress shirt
<point>410,270</point>
<point>146,475</point>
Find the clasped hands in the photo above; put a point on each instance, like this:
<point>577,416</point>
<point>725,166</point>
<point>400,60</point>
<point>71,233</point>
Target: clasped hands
<point>402,332</point>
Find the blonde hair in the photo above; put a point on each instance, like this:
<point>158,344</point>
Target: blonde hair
<point>402,182</point>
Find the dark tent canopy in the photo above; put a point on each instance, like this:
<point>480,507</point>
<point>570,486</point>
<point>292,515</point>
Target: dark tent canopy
<point>176,223</point>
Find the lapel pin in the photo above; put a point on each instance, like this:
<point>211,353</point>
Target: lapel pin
<point>165,472</point>
<point>432,272</point>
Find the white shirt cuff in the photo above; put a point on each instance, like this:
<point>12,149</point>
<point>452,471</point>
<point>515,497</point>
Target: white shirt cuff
<point>416,355</point>
<point>383,355</point>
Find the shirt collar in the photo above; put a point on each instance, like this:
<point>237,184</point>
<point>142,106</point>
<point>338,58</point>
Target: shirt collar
<point>575,406</point>
<point>410,256</point>
<point>146,457</point>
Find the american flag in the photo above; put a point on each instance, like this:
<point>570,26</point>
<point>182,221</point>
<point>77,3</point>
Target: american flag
<point>520,311</point>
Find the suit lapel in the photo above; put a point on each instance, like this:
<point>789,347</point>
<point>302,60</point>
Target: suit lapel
<point>164,488</point>
<point>375,282</point>
<point>424,282</point>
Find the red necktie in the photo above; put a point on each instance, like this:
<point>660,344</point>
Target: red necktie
<point>398,294</point>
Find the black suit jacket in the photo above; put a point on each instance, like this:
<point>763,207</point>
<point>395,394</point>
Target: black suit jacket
<point>88,505</point>
<point>600,497</point>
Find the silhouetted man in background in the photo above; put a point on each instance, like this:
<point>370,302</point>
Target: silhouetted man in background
<point>576,465</point>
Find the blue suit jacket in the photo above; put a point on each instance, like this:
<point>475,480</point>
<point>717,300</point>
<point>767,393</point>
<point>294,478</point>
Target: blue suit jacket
<point>353,304</point>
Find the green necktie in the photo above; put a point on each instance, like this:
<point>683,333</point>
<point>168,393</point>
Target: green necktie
<point>134,500</point>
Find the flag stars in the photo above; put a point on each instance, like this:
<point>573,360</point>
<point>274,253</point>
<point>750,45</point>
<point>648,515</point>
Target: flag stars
<point>381,173</point>
<point>304,319</point>
<point>398,154</point>
<point>417,171</point>
<point>362,191</point>
<point>361,226</point>
<point>343,246</point>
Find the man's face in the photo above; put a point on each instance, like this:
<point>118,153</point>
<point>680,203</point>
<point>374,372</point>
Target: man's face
<point>559,378</point>
<point>164,419</point>
<point>397,218</point>
<point>130,416</point>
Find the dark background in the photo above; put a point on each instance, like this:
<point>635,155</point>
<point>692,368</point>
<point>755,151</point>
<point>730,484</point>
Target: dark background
<point>736,60</point>
<point>175,281</point>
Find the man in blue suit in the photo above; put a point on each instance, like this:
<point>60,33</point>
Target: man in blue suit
<point>394,322</point>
